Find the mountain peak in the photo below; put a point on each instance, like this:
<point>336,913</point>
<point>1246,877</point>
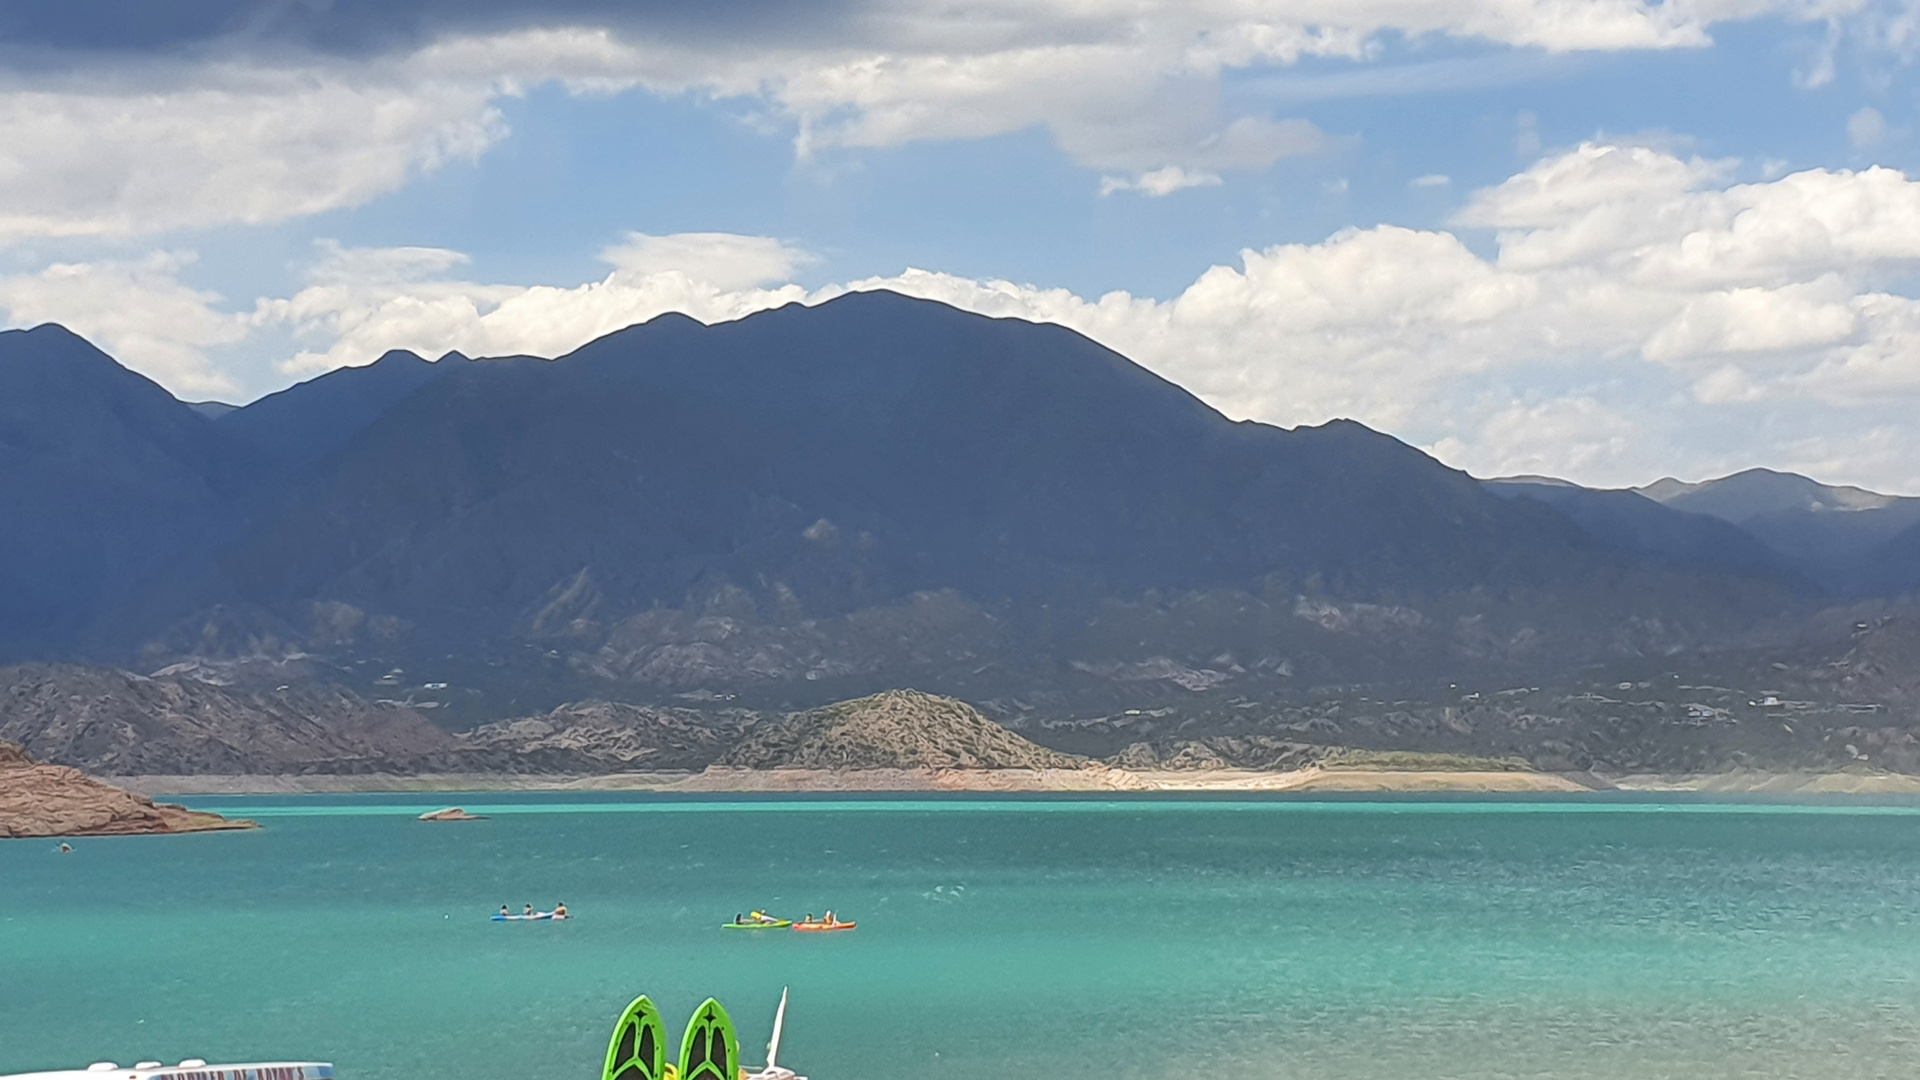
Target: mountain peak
<point>105,476</point>
<point>300,425</point>
<point>1741,496</point>
<point>51,344</point>
<point>53,332</point>
<point>1533,478</point>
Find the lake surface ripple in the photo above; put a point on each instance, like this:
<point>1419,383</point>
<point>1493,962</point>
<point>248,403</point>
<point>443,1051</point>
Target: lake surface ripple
<point>1145,940</point>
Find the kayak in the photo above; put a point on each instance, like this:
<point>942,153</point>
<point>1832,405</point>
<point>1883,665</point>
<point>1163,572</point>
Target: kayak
<point>820,926</point>
<point>776,924</point>
<point>527,918</point>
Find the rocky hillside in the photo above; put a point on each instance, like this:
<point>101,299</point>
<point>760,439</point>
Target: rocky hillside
<point>1261,752</point>
<point>1883,666</point>
<point>1779,708</point>
<point>51,800</point>
<point>602,737</point>
<point>115,723</point>
<point>899,729</point>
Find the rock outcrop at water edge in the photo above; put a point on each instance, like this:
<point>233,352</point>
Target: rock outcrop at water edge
<point>53,800</point>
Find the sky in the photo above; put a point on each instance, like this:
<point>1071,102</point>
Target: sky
<point>1606,240</point>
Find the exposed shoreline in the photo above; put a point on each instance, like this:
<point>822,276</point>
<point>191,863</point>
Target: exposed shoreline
<point>725,780</point>
<point>1096,779</point>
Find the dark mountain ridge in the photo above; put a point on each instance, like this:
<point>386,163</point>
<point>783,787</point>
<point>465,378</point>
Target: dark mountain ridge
<point>105,479</point>
<point>930,454</point>
<point>1854,541</point>
<point>1633,522</point>
<point>872,492</point>
<point>1846,541</point>
<point>816,464</point>
<point>292,431</point>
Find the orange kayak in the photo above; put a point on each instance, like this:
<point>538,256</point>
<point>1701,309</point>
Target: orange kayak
<point>818,926</point>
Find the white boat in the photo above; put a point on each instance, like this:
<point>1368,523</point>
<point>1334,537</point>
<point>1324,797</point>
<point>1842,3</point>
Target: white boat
<point>190,1069</point>
<point>774,1070</point>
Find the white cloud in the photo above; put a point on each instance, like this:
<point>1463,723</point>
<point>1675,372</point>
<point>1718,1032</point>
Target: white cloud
<point>362,302</point>
<point>1131,88</point>
<point>1369,324</point>
<point>238,145</point>
<point>1757,319</point>
<point>1652,219</point>
<point>137,311</point>
<point>1866,128</point>
<point>1572,435</point>
<point>1432,180</point>
<point>379,267</point>
<point>1883,450</point>
<point>1159,182</point>
<point>723,260</point>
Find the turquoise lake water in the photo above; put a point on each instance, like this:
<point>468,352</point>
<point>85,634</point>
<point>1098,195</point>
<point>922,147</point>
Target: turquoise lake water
<point>1003,938</point>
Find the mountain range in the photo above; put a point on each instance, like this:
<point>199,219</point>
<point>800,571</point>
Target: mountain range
<point>1849,541</point>
<point>813,503</point>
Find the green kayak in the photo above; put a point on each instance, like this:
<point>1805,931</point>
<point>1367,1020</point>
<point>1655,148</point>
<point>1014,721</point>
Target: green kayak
<point>774,924</point>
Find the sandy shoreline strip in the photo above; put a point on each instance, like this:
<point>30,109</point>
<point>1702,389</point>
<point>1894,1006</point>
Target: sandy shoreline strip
<point>1095,779</point>
<point>718,780</point>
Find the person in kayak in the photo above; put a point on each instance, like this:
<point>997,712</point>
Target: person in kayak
<point>503,911</point>
<point>739,919</point>
<point>529,912</point>
<point>560,910</point>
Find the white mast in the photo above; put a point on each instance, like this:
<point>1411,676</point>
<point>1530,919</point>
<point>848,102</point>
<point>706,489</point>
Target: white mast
<point>779,1019</point>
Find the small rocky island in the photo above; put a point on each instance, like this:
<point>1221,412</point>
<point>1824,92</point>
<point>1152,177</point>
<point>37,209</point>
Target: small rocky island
<point>37,799</point>
<point>451,813</point>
